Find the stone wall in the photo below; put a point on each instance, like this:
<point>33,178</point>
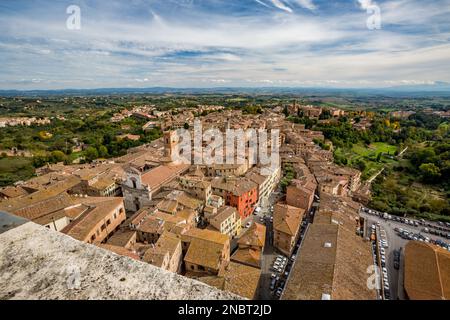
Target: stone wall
<point>37,263</point>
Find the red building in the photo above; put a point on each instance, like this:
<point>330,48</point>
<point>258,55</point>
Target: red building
<point>243,197</point>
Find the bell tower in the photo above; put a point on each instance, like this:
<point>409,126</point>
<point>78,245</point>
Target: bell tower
<point>170,143</point>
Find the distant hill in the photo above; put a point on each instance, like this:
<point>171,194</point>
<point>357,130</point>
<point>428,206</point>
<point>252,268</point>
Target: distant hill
<point>436,89</point>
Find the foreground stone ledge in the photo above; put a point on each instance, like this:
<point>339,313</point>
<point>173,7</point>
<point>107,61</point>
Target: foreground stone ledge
<point>37,263</point>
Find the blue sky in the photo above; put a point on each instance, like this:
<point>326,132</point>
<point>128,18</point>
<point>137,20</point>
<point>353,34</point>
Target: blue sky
<point>211,43</point>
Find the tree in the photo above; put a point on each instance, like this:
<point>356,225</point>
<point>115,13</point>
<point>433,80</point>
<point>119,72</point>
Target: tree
<point>430,172</point>
<point>91,154</point>
<point>58,156</point>
<point>379,157</point>
<point>361,165</point>
<point>286,111</point>
<point>103,151</point>
<point>186,126</point>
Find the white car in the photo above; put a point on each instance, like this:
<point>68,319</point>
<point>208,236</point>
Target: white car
<point>248,225</point>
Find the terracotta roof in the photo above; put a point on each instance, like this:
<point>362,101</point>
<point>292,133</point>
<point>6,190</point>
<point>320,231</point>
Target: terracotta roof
<point>243,186</point>
<point>184,199</point>
<point>121,238</point>
<point>247,256</point>
<point>45,207</point>
<point>162,174</point>
<point>212,236</point>
<point>339,270</point>
<point>241,280</point>
<point>254,236</point>
<point>205,253</point>
<point>287,219</point>
<point>139,216</point>
<point>167,244</point>
<point>13,192</point>
<point>223,214</point>
<point>119,250</point>
<point>256,178</point>
<point>236,278</point>
<point>167,205</point>
<point>186,214</point>
<point>72,212</point>
<point>53,190</point>
<point>427,271</point>
<point>150,225</point>
<point>313,272</point>
<point>81,227</point>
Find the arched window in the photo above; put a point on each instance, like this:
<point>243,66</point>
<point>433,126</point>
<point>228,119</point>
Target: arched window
<point>134,183</point>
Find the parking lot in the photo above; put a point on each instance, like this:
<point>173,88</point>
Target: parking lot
<point>396,233</point>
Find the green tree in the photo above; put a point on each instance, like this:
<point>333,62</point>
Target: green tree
<point>91,154</point>
<point>430,172</point>
<point>286,111</point>
<point>103,151</point>
<point>361,165</point>
<point>58,156</point>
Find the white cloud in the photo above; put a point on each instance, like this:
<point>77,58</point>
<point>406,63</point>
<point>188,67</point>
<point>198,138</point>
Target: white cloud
<point>280,5</point>
<point>365,4</point>
<point>271,49</point>
<point>262,3</point>
<point>308,4</point>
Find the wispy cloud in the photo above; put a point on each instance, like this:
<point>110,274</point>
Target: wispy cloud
<point>308,4</point>
<point>280,5</point>
<point>217,42</point>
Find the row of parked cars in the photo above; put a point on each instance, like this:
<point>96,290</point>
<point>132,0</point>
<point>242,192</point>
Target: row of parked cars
<point>408,235</point>
<point>437,233</point>
<point>279,266</point>
<point>397,254</point>
<point>382,263</point>
<point>441,226</point>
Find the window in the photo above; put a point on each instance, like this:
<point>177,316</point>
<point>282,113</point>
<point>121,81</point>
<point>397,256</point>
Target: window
<point>134,183</point>
<point>93,237</point>
<point>108,222</point>
<point>103,227</point>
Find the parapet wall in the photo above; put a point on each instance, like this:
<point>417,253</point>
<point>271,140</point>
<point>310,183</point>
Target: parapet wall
<point>37,263</point>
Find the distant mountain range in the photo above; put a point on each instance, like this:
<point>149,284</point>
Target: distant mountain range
<point>436,89</point>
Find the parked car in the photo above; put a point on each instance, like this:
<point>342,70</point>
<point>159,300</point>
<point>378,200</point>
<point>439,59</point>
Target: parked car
<point>272,285</point>
<point>279,292</point>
